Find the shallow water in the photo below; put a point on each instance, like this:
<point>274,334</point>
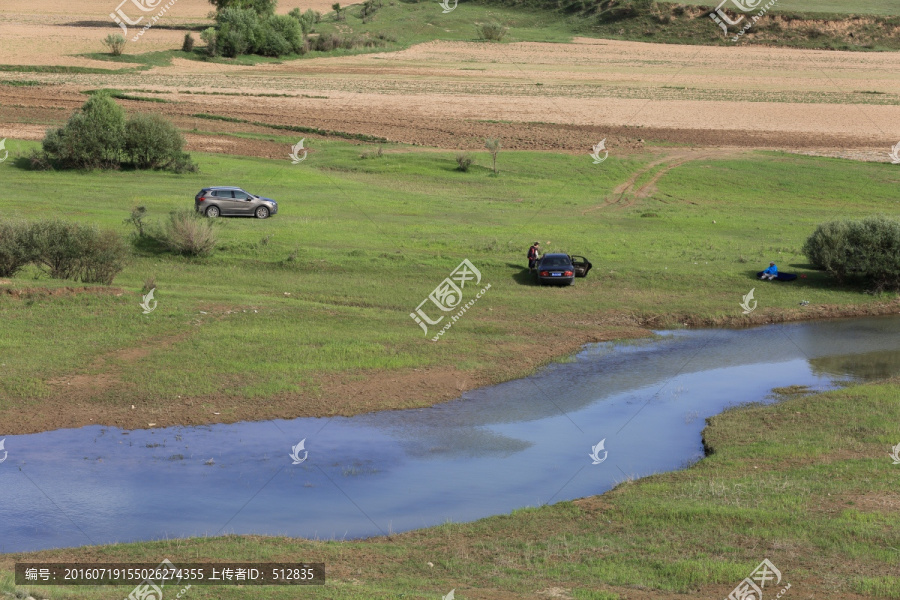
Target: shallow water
<point>522,443</point>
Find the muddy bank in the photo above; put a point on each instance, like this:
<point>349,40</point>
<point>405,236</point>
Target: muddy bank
<point>358,392</point>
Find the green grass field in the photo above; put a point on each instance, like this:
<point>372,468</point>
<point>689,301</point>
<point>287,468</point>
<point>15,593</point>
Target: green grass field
<point>371,238</point>
<point>887,8</point>
<point>806,483</point>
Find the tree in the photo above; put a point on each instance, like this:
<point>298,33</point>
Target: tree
<point>98,136</point>
<point>338,11</point>
<point>868,249</point>
<point>493,146</point>
<point>151,141</point>
<point>260,7</point>
<point>92,138</point>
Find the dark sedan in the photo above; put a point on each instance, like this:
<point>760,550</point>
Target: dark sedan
<point>556,268</point>
<point>561,269</point>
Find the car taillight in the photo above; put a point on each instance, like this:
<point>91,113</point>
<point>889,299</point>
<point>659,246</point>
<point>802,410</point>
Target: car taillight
<point>545,273</point>
<point>200,198</point>
<point>569,273</point>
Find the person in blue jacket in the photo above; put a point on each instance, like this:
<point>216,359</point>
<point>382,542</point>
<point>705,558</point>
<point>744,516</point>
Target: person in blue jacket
<point>770,273</point>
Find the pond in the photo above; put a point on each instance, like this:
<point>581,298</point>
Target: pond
<point>522,443</point>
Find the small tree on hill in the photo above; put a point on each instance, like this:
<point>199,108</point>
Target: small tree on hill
<point>493,146</point>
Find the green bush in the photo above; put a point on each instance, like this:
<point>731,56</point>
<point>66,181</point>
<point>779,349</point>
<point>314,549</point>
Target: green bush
<point>71,251</point>
<point>260,7</point>
<point>98,136</point>
<point>186,232</point>
<point>242,31</point>
<point>307,19</point>
<point>13,254</point>
<point>151,141</point>
<point>867,248</point>
<point>280,35</point>
<point>492,32</point>
<point>92,138</point>
<point>463,161</point>
<point>116,44</point>
<point>209,37</point>
<point>188,44</point>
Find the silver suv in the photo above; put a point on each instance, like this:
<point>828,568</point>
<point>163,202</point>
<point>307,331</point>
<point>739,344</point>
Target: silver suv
<point>226,200</point>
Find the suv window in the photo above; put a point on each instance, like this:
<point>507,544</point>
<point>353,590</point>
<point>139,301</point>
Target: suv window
<point>223,194</point>
<point>240,195</point>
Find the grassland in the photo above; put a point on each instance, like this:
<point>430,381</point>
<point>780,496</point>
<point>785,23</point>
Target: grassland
<point>806,483</point>
<point>320,294</point>
<point>887,8</point>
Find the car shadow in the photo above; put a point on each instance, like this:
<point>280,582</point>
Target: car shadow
<point>522,275</point>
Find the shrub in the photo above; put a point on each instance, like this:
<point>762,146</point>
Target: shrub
<point>307,20</point>
<point>152,142</point>
<point>188,44</point>
<point>103,257</point>
<point>92,138</point>
<point>463,162</point>
<point>211,39</point>
<point>260,7</point>
<point>98,136</point>
<point>115,42</point>
<point>376,153</point>
<point>492,32</point>
<point>868,248</point>
<point>183,163</point>
<point>13,253</point>
<point>338,11</point>
<point>186,232</point>
<point>137,220</point>
<point>368,9</point>
<point>71,251</point>
<point>280,34</point>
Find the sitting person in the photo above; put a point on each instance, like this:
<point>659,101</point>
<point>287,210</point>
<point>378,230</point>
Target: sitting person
<point>770,273</point>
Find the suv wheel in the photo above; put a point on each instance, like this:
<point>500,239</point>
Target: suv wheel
<point>212,212</point>
<point>262,212</point>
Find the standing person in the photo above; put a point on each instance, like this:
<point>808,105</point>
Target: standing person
<point>534,253</point>
<point>770,273</point>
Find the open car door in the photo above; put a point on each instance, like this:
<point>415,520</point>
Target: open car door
<point>582,265</point>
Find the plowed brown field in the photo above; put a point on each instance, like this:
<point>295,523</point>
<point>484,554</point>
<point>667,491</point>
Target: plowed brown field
<point>540,96</point>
